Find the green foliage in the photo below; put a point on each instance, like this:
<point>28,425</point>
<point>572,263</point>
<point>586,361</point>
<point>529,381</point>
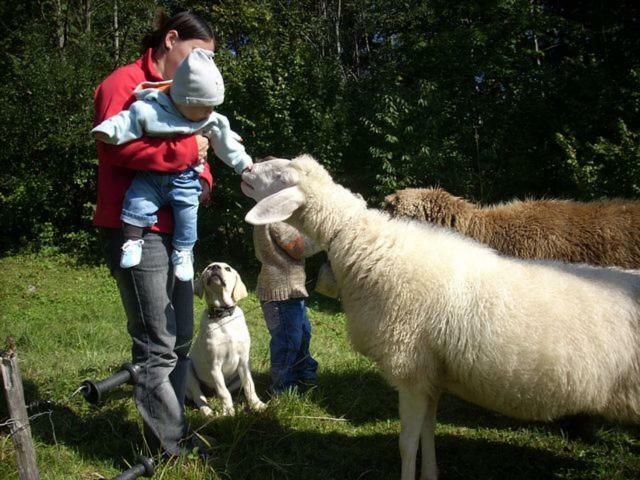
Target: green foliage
<point>490,100</point>
<point>48,183</point>
<point>605,167</point>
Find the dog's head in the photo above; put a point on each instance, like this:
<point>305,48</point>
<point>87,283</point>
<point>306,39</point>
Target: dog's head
<point>220,285</point>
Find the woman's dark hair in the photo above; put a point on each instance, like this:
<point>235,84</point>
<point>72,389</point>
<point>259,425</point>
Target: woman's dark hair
<point>188,25</point>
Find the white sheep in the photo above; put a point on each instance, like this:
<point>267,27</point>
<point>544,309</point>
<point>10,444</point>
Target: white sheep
<point>439,312</point>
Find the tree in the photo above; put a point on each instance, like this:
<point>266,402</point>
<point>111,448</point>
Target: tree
<point>490,100</point>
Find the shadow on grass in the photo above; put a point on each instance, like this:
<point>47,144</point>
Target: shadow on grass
<point>360,396</point>
<point>259,446</point>
<point>102,432</point>
<point>454,411</point>
<point>364,396</point>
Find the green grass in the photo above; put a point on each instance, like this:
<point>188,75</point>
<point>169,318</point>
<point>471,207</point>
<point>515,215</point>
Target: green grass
<point>69,326</point>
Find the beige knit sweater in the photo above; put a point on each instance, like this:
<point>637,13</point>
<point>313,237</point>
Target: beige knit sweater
<point>281,249</point>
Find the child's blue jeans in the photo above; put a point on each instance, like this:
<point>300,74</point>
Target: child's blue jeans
<point>150,190</point>
<point>291,362</point>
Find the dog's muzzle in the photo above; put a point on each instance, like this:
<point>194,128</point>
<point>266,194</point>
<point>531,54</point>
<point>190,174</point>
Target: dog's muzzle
<point>215,274</point>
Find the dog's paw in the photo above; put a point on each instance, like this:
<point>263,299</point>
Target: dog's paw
<point>206,411</point>
<point>258,406</point>
<point>228,411</point>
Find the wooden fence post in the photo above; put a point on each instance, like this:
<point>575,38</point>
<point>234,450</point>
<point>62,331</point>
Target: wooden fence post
<point>18,419</point>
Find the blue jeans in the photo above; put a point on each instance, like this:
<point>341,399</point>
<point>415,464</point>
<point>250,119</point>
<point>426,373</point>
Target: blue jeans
<point>159,312</point>
<point>291,361</point>
<point>150,190</point>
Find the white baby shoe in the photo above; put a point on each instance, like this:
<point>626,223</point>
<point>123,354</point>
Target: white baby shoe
<point>182,264</point>
<point>131,253</point>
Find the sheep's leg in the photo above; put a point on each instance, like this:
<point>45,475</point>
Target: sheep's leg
<point>413,407</point>
<point>429,466</point>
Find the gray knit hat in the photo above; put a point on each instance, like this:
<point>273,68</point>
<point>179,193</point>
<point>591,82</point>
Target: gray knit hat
<point>197,81</point>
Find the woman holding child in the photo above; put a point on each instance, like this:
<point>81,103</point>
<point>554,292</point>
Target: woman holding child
<point>159,307</point>
<point>154,121</point>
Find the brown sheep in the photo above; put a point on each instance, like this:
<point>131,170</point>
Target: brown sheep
<point>603,232</point>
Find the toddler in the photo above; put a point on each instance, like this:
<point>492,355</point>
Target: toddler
<point>281,249</point>
<point>184,105</point>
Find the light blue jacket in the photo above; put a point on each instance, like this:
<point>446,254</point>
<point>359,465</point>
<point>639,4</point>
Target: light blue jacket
<point>155,115</point>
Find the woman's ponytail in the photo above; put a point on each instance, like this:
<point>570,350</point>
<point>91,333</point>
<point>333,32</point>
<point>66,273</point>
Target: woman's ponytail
<point>188,25</point>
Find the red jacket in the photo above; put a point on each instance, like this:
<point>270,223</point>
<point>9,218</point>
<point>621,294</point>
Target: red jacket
<point>117,164</point>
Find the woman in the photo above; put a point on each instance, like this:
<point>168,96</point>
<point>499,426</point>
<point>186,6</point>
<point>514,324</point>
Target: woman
<point>159,308</point>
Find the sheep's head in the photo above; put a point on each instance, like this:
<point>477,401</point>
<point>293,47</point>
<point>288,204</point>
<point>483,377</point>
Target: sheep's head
<point>275,185</point>
<point>433,205</point>
<point>405,203</point>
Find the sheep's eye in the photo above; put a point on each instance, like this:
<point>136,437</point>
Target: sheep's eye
<point>227,269</point>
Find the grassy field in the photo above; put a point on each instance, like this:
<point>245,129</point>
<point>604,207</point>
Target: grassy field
<point>68,323</point>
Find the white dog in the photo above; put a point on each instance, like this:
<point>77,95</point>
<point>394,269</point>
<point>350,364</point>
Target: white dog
<point>220,353</point>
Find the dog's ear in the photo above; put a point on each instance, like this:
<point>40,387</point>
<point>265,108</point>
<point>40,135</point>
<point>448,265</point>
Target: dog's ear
<point>239,290</point>
<point>198,287</point>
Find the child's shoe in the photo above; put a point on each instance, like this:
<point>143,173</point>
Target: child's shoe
<point>182,264</point>
<point>131,253</point>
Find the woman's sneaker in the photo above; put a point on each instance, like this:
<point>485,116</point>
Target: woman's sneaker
<point>131,253</point>
<point>182,264</point>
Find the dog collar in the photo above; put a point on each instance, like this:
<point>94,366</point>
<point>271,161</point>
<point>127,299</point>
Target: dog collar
<point>220,312</point>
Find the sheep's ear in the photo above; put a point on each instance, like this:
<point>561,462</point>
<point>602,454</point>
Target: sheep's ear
<point>239,290</point>
<point>391,199</point>
<point>390,203</point>
<point>277,207</point>
<point>198,288</point>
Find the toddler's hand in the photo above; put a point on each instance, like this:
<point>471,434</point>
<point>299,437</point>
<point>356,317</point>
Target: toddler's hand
<point>101,136</point>
<point>203,148</point>
<point>226,144</point>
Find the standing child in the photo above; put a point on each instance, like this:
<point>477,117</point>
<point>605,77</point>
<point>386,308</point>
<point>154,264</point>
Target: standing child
<point>165,109</point>
<point>281,249</point>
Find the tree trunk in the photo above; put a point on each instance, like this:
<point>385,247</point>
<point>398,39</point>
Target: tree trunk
<point>535,37</point>
<point>116,32</point>
<point>337,28</point>
<point>87,15</point>
<point>60,24</point>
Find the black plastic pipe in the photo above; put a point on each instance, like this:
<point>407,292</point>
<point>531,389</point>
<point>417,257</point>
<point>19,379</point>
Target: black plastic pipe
<point>94,391</point>
<point>144,468</point>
